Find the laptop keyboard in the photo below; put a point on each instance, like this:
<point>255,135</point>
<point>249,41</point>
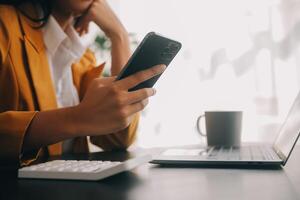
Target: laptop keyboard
<point>242,153</point>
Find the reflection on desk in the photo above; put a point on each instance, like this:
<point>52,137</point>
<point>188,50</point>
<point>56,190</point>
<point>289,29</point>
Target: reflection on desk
<point>155,182</point>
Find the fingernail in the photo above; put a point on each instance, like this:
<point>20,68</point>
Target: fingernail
<point>154,91</point>
<point>163,66</point>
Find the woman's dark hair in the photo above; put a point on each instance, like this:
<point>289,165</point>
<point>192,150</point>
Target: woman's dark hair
<point>44,5</point>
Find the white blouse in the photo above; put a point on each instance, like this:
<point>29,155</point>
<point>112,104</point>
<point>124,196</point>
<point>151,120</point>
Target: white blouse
<point>63,49</point>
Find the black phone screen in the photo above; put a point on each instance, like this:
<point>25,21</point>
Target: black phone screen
<point>153,50</point>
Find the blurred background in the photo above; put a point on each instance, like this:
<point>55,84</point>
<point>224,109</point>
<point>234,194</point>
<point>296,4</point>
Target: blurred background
<point>236,55</point>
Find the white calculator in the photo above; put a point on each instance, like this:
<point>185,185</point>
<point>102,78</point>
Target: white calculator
<point>80,169</point>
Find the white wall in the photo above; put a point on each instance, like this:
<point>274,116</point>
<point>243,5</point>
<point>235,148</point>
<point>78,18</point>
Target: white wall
<point>253,46</point>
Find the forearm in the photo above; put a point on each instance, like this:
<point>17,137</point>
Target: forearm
<point>119,140</point>
<point>120,52</point>
<point>50,127</point>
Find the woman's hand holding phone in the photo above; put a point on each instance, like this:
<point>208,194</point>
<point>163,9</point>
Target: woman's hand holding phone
<point>108,106</point>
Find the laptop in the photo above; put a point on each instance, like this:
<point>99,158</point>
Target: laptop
<point>250,154</point>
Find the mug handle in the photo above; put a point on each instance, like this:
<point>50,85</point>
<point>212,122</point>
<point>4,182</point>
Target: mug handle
<point>198,125</point>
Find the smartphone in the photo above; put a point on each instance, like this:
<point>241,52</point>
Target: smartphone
<point>154,49</point>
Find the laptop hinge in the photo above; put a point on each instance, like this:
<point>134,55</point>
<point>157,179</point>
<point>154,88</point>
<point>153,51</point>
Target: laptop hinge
<point>279,154</point>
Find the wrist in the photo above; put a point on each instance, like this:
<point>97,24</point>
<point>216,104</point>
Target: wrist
<point>120,35</point>
<point>73,122</point>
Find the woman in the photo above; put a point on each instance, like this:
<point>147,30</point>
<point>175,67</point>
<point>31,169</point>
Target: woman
<point>51,93</point>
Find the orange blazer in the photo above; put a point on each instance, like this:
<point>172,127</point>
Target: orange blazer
<point>26,87</point>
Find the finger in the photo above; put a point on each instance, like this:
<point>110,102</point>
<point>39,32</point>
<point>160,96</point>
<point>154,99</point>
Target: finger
<point>78,30</point>
<point>137,107</point>
<point>139,77</point>
<point>82,32</point>
<point>82,23</point>
<point>86,29</point>
<point>105,81</point>
<point>139,95</point>
<point>79,23</point>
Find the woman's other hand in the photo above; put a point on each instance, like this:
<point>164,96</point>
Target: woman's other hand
<point>101,13</point>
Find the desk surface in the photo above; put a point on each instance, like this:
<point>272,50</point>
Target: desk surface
<point>153,182</point>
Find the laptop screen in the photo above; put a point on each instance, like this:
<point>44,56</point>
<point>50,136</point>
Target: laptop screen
<point>289,131</point>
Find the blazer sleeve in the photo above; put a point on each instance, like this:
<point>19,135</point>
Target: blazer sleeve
<point>13,126</point>
<point>120,140</point>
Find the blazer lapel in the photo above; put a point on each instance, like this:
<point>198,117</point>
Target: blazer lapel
<point>38,65</point>
<point>39,70</point>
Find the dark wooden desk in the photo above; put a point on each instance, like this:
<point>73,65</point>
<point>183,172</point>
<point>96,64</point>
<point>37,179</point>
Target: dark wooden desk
<point>153,182</point>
